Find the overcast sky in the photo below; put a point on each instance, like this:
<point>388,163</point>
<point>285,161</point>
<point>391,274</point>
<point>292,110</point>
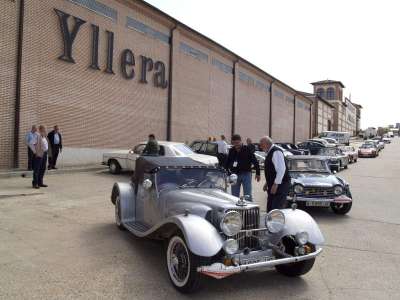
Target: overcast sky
<point>356,42</point>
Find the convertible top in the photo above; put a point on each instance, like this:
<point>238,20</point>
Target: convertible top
<point>150,163</point>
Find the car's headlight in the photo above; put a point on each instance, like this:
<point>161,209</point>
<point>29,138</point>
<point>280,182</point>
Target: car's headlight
<point>338,190</point>
<point>231,246</point>
<point>275,221</point>
<point>302,237</point>
<point>231,223</point>
<point>298,189</point>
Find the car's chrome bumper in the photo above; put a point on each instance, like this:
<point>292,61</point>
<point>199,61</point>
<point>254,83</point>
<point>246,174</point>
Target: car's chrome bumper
<point>219,270</point>
<point>338,199</point>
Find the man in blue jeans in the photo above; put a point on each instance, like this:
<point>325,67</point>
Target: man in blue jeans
<point>240,162</point>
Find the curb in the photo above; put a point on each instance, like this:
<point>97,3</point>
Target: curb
<point>28,174</point>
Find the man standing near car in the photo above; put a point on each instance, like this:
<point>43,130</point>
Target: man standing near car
<point>276,175</point>
<point>152,147</point>
<point>55,140</point>
<point>28,139</point>
<point>240,161</point>
<point>222,151</point>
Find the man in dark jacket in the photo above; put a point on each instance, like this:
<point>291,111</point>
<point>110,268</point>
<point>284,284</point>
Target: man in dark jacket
<point>55,139</point>
<point>152,147</point>
<point>276,175</point>
<point>240,161</point>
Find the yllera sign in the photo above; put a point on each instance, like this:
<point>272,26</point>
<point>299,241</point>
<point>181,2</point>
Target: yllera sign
<point>127,59</point>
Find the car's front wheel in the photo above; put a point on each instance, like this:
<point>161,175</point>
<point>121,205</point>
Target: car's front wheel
<point>297,268</point>
<point>341,208</point>
<point>114,167</point>
<point>118,213</point>
<point>182,265</point>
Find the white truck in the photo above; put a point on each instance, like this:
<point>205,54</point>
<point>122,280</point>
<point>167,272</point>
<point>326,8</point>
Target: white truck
<point>340,137</point>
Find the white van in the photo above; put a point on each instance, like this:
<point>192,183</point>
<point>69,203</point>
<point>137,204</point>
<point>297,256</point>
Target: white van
<point>341,137</point>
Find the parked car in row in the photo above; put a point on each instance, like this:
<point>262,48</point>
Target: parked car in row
<point>119,160</point>
<point>207,231</point>
<point>351,153</point>
<point>368,150</point>
<point>337,159</point>
<point>381,143</point>
<point>292,148</point>
<point>312,146</point>
<point>375,143</point>
<point>313,184</point>
<point>324,142</point>
<point>387,140</point>
<point>330,140</point>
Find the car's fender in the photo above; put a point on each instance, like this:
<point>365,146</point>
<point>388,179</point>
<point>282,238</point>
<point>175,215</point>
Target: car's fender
<point>127,199</point>
<point>297,220</point>
<point>201,236</point>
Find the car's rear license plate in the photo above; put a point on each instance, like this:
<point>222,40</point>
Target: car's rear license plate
<point>318,203</point>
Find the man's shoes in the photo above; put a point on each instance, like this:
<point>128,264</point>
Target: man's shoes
<point>43,185</point>
<point>49,168</point>
<point>54,168</point>
<point>36,187</point>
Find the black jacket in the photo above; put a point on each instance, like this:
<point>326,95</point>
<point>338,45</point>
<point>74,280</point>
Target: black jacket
<point>50,136</point>
<point>269,168</point>
<point>245,159</point>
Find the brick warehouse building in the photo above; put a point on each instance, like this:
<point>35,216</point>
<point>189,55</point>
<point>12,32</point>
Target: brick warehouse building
<point>109,72</point>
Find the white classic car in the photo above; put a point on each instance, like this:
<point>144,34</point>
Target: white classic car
<point>119,160</point>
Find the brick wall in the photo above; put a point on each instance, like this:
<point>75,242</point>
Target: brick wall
<point>8,54</point>
<point>252,105</point>
<point>303,115</point>
<point>282,114</point>
<point>93,109</point>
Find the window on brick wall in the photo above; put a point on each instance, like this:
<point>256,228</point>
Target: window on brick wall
<point>321,92</point>
<point>330,93</point>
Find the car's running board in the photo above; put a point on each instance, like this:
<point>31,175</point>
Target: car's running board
<point>137,228</point>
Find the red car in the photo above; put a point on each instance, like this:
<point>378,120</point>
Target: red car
<point>368,150</point>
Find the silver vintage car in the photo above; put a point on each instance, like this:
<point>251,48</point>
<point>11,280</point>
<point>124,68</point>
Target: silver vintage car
<point>208,231</point>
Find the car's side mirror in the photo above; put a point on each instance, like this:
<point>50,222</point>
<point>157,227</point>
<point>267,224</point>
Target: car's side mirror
<point>232,179</point>
<point>147,184</point>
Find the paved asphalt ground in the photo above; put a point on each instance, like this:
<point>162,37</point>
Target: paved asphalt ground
<point>61,242</point>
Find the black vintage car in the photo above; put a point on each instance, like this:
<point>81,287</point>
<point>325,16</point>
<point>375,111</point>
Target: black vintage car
<point>312,146</point>
<point>313,184</point>
<point>292,148</point>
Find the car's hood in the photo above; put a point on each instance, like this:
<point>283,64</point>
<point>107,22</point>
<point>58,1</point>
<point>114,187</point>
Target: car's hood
<point>199,200</point>
<point>205,159</point>
<point>314,179</point>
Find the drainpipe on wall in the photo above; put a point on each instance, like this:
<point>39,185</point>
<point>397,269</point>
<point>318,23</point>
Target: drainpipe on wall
<point>233,98</point>
<point>311,133</point>
<point>294,118</point>
<point>270,108</point>
<point>18,82</point>
<point>169,103</point>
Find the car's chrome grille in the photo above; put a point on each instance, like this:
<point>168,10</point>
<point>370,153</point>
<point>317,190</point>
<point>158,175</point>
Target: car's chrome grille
<point>318,192</point>
<point>251,220</point>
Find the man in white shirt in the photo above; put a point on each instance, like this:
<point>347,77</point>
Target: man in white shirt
<point>40,148</point>
<point>276,175</point>
<point>28,139</point>
<point>222,150</point>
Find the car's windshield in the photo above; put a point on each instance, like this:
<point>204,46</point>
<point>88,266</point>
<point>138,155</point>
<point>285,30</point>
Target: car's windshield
<point>183,149</point>
<point>307,165</point>
<point>190,177</point>
<point>327,151</point>
<point>367,146</point>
